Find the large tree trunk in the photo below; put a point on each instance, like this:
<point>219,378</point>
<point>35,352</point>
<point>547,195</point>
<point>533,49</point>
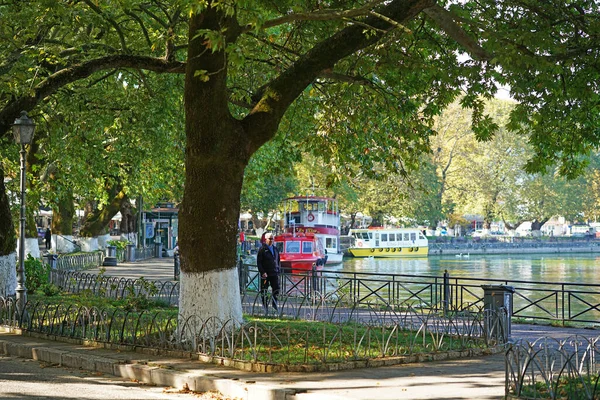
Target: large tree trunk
<point>128,225</point>
<point>63,215</point>
<point>128,218</point>
<point>8,244</point>
<point>215,160</point>
<point>96,222</point>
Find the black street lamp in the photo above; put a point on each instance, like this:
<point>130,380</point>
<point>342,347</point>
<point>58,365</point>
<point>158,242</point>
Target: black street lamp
<point>23,129</point>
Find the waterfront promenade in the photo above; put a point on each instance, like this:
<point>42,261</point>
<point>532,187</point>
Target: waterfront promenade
<point>455,246</point>
<point>473,378</point>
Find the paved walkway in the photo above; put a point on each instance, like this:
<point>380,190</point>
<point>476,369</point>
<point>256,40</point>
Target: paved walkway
<point>474,378</point>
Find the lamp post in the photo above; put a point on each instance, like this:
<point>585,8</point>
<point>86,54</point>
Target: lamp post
<point>23,129</point>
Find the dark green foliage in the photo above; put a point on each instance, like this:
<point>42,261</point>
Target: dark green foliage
<point>49,289</point>
<point>37,274</point>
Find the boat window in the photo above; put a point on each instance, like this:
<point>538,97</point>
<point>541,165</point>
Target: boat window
<point>413,236</point>
<point>384,237</point>
<point>331,243</point>
<point>392,237</point>
<point>279,246</point>
<point>312,206</point>
<point>292,247</point>
<point>307,247</point>
<point>406,237</point>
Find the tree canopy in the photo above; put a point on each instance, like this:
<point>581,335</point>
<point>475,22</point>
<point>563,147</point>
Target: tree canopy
<point>357,82</point>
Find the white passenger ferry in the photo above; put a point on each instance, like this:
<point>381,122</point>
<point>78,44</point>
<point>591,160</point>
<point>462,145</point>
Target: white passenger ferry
<point>388,242</point>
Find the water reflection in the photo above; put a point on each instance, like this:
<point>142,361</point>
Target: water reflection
<point>537,267</point>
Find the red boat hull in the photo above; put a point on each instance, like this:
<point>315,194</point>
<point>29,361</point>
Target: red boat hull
<point>300,265</point>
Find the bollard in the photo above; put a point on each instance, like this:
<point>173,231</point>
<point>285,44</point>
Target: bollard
<point>242,275</point>
<point>176,266</point>
<point>446,298</point>
<point>313,280</point>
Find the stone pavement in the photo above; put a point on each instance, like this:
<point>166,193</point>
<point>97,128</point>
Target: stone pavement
<point>473,378</point>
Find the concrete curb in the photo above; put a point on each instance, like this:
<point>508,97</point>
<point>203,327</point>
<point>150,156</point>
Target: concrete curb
<point>154,374</point>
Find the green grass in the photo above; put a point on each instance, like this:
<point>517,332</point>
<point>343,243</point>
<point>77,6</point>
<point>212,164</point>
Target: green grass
<point>572,388</point>
<point>271,340</point>
<point>294,341</point>
<point>133,303</point>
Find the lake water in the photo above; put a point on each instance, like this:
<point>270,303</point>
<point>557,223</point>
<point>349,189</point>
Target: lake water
<point>536,267</point>
<point>548,300</point>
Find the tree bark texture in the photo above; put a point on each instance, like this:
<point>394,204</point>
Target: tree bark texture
<point>128,217</point>
<point>216,155</point>
<point>63,215</point>
<point>8,238</point>
<point>96,222</point>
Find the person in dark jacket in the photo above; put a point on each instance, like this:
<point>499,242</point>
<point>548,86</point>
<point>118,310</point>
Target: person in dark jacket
<point>48,238</point>
<point>268,262</point>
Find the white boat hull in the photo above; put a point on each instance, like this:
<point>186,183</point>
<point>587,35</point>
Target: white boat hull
<point>334,258</point>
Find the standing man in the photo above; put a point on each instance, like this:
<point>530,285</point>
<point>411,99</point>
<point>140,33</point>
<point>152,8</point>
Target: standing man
<point>268,263</point>
<point>48,238</point>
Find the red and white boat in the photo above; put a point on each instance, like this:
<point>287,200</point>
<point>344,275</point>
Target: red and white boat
<point>315,215</point>
<point>300,252</point>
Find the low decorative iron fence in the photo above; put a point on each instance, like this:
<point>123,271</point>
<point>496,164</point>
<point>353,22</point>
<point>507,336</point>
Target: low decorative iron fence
<point>79,261</point>
<point>287,343</point>
<point>333,307</point>
<point>144,253</point>
<point>116,287</point>
<point>553,369</point>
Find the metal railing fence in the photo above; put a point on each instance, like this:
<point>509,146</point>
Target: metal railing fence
<point>79,261</point>
<point>413,332</point>
<point>114,287</point>
<point>144,253</point>
<point>561,302</point>
<point>533,300</point>
<point>553,369</point>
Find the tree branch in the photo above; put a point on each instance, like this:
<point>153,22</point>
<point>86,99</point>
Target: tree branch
<point>110,21</point>
<point>76,72</point>
<point>261,123</point>
<point>320,15</point>
<point>445,20</point>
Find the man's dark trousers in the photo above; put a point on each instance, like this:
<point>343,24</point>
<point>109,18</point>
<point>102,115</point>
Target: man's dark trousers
<point>272,281</point>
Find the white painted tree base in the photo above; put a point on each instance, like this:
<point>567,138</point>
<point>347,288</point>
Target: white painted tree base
<point>32,246</point>
<point>8,275</point>
<point>130,237</point>
<point>88,244</point>
<point>103,241</point>
<point>205,295</point>
<point>63,243</point>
